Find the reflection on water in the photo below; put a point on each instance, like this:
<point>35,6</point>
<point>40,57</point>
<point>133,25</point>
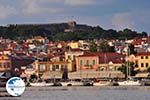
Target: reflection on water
<point>84,93</point>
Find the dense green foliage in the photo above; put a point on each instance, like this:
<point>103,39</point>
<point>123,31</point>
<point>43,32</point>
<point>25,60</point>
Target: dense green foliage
<point>101,46</point>
<point>56,32</point>
<point>130,67</point>
<point>148,69</point>
<point>93,47</point>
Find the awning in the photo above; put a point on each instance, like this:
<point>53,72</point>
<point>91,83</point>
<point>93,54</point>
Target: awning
<point>50,75</point>
<point>96,74</point>
<point>84,74</point>
<point>142,75</point>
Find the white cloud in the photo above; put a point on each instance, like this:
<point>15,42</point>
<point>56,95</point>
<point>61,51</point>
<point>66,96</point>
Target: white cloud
<point>79,2</point>
<point>122,20</point>
<point>37,7</point>
<point>88,2</point>
<point>6,11</point>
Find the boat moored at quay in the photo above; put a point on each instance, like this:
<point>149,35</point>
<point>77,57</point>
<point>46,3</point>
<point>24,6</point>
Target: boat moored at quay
<point>129,83</point>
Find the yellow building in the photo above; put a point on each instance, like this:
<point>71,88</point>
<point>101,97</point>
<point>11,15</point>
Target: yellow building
<point>74,45</point>
<point>36,38</point>
<point>5,63</point>
<point>72,54</point>
<point>142,61</point>
<point>49,69</point>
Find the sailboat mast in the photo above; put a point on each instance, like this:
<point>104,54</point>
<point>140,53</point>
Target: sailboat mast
<point>128,64</point>
<point>105,61</point>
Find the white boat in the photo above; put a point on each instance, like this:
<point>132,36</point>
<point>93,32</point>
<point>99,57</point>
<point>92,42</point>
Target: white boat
<point>65,83</point>
<point>76,83</point>
<point>72,83</point>
<point>40,84</point>
<point>87,82</point>
<point>102,83</point>
<point>129,83</point>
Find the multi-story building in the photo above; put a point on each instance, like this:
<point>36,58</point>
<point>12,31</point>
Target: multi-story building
<point>110,61</point>
<point>87,61</point>
<point>100,61</point>
<point>48,69</point>
<point>73,53</point>
<point>142,61</point>
<point>5,63</point>
<point>100,65</point>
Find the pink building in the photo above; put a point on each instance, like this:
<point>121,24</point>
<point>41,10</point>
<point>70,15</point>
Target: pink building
<point>96,61</point>
<point>87,61</point>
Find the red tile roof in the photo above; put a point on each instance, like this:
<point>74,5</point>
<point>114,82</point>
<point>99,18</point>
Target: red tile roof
<point>143,54</point>
<point>138,41</point>
<point>113,57</point>
<point>87,55</point>
<point>21,61</point>
<point>106,57</point>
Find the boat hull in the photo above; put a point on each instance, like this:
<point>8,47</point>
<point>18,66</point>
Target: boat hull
<point>40,84</point>
<point>129,83</point>
<point>101,84</point>
<point>71,83</point>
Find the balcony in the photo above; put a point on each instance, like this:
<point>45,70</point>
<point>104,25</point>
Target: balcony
<point>88,66</point>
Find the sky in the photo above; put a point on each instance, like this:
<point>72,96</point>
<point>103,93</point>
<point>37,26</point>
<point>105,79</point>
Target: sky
<point>109,14</point>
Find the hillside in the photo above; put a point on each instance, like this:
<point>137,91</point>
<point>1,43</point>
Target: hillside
<point>65,31</point>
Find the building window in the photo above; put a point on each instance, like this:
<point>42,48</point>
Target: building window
<point>87,62</point>
<point>8,65</point>
<point>136,65</point>
<point>53,68</point>
<point>47,68</point>
<point>142,65</point>
<point>2,65</point>
<point>41,68</point>
<point>81,62</point>
<point>146,57</point>
<point>147,65</point>
<point>74,57</point>
<point>5,65</point>
<point>63,67</point>
<point>142,57</point>
<point>69,57</point>
<point>102,68</point>
<point>57,67</point>
<point>93,62</point>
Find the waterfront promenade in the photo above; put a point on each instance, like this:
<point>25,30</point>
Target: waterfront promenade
<point>84,93</point>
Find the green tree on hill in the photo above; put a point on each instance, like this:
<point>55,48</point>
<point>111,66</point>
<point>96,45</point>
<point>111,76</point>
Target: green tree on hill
<point>56,32</point>
<point>93,47</point>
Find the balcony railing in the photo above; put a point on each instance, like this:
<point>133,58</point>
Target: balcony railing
<point>89,66</point>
